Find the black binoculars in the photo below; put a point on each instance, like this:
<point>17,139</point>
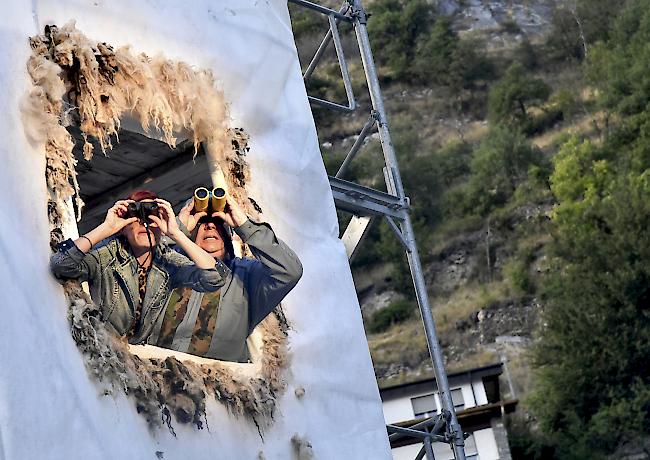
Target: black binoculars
<point>142,210</point>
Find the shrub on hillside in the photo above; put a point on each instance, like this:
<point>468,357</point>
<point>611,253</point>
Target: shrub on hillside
<point>452,161</point>
<point>513,96</point>
<point>517,274</point>
<point>396,28</point>
<point>444,59</point>
<point>499,164</point>
<point>396,312</point>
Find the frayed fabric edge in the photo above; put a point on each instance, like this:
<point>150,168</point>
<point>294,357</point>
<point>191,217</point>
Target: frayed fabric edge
<point>97,85</point>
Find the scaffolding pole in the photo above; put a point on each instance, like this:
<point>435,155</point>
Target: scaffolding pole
<point>394,206</point>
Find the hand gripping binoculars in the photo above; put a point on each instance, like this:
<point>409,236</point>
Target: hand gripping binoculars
<point>142,210</point>
<point>209,200</point>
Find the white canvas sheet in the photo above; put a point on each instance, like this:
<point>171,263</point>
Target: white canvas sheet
<point>49,408</point>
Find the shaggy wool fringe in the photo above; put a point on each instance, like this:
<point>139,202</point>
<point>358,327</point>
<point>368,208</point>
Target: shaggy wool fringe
<point>79,81</point>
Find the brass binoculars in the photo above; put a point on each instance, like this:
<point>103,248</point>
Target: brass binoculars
<point>209,200</point>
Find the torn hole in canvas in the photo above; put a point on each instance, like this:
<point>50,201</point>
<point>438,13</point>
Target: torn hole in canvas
<point>80,82</point>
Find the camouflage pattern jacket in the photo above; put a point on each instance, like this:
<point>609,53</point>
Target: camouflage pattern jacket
<point>112,273</point>
<point>216,325</point>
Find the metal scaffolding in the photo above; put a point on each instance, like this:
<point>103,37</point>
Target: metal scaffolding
<point>365,203</point>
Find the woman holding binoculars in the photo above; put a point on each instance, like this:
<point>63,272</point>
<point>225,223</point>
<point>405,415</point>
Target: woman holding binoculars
<point>133,273</point>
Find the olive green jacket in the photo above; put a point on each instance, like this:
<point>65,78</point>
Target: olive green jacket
<point>112,274</point>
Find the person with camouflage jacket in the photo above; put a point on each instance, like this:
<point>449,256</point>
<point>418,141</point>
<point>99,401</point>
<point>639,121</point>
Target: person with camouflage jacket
<point>217,324</point>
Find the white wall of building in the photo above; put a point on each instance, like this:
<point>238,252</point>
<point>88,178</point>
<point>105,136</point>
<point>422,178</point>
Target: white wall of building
<point>481,443</point>
<point>486,444</point>
<point>400,409</point>
<point>440,451</point>
<point>49,408</point>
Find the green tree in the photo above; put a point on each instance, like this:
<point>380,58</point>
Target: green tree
<point>446,60</point>
<point>420,47</point>
<point>619,68</point>
<point>594,360</point>
<point>469,65</point>
<point>499,164</point>
<point>593,386</point>
<point>436,52</point>
<point>397,27</point>
<point>579,24</point>
<point>512,97</point>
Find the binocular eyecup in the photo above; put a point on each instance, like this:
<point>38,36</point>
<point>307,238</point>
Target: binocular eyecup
<point>142,210</point>
<point>209,200</point>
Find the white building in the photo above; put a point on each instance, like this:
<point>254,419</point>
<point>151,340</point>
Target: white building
<point>477,399</point>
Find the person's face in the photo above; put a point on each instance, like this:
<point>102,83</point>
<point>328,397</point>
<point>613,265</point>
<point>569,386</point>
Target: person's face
<point>210,240</point>
<point>136,234</point>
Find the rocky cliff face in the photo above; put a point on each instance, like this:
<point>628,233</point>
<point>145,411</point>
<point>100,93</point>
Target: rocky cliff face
<point>481,317</point>
<point>501,331</point>
<point>530,18</point>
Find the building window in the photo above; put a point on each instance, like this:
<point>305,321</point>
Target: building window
<point>457,399</point>
<point>424,406</point>
<point>491,386</point>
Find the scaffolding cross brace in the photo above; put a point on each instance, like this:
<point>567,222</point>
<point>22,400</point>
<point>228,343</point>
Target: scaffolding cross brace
<point>366,203</point>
